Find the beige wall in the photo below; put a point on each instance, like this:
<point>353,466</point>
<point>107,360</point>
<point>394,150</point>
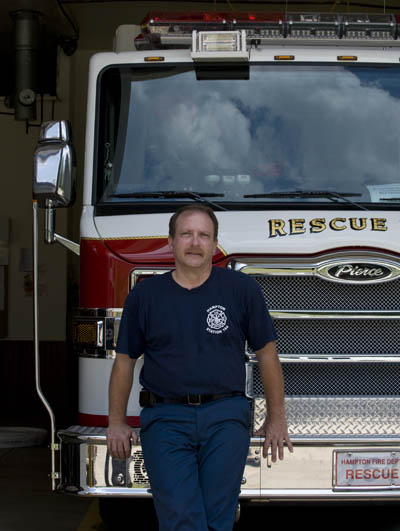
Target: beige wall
<point>16,154</point>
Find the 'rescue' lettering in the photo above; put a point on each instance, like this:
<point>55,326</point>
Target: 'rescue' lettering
<point>279,227</point>
<point>297,226</point>
<point>372,473</point>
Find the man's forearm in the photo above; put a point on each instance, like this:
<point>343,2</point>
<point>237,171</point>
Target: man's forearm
<point>274,428</point>
<point>120,388</point>
<point>272,379</point>
<point>119,434</point>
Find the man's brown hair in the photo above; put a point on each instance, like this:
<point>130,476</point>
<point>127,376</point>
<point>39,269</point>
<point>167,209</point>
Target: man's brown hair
<point>193,208</point>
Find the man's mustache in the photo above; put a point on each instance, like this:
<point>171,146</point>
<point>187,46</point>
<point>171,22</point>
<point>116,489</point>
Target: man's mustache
<point>194,250</point>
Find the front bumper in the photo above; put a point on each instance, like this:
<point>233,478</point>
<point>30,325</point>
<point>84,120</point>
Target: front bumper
<point>309,473</point>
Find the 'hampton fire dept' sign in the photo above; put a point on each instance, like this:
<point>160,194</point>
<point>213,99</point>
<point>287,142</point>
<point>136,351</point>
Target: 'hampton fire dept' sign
<point>280,227</point>
<point>367,469</point>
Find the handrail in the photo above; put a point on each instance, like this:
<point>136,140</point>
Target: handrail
<point>53,446</point>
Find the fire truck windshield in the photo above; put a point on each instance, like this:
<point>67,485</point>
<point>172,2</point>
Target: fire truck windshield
<point>286,128</point>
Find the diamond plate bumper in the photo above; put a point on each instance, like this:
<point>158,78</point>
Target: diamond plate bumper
<point>307,474</point>
<point>338,418</point>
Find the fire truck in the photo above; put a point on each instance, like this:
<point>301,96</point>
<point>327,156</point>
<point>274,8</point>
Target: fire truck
<point>288,126</point>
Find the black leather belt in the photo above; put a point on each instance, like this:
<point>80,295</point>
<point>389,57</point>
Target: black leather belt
<point>149,399</point>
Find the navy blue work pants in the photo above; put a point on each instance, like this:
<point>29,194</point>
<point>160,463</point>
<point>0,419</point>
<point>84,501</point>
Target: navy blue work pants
<point>195,457</point>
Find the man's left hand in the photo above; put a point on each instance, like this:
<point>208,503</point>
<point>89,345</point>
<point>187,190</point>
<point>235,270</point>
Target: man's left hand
<point>276,436</point>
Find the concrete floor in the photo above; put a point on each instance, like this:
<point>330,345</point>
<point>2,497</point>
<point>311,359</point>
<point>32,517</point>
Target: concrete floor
<point>26,499</point>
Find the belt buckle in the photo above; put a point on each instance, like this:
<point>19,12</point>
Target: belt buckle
<point>194,400</point>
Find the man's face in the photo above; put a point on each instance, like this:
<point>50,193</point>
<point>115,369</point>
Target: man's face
<point>193,244</point>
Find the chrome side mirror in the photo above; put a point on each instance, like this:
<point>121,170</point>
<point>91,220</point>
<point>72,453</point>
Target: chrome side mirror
<point>54,180</point>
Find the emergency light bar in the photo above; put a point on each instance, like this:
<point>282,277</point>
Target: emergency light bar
<point>364,26</point>
<point>313,25</point>
<point>175,30</point>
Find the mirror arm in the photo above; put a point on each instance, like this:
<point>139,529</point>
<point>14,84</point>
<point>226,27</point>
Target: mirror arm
<point>49,222</point>
<point>50,236</point>
<point>72,246</point>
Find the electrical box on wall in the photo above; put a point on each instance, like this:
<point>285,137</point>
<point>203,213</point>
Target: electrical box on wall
<point>4,253</point>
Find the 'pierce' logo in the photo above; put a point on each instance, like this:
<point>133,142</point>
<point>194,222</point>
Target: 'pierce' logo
<point>357,272</point>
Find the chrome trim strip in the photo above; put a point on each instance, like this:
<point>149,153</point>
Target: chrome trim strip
<point>297,314</point>
<point>100,333</point>
<point>306,267</point>
<point>317,358</point>
<point>304,263</point>
<point>100,438</point>
<point>328,494</point>
<point>263,495</point>
<point>99,312</point>
<point>294,270</point>
<point>97,353</point>
<point>249,494</point>
<point>340,441</point>
<point>112,491</point>
<point>135,273</point>
<point>249,379</point>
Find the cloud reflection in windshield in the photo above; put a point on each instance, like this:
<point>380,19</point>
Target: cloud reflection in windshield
<point>305,128</point>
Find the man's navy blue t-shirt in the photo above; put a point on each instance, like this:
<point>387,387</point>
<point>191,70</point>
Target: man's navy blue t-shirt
<point>193,341</point>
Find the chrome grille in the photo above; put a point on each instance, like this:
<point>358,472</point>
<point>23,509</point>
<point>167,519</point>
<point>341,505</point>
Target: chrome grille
<point>293,292</point>
<point>338,336</point>
<point>336,379</point>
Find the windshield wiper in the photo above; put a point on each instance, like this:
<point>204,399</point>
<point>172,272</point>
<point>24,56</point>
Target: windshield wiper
<point>333,196</point>
<point>168,194</point>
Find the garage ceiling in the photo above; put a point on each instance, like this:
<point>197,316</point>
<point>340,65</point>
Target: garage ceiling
<point>63,17</point>
<point>57,11</point>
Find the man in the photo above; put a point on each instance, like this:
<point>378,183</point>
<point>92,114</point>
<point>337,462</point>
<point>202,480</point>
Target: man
<point>192,325</point>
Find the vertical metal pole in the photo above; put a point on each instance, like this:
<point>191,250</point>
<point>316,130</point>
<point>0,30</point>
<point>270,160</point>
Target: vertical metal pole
<point>53,446</point>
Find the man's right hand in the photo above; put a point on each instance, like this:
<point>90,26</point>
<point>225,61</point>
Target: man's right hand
<point>120,437</point>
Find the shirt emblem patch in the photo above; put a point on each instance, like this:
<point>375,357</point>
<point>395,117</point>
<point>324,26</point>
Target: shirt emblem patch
<point>216,319</point>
